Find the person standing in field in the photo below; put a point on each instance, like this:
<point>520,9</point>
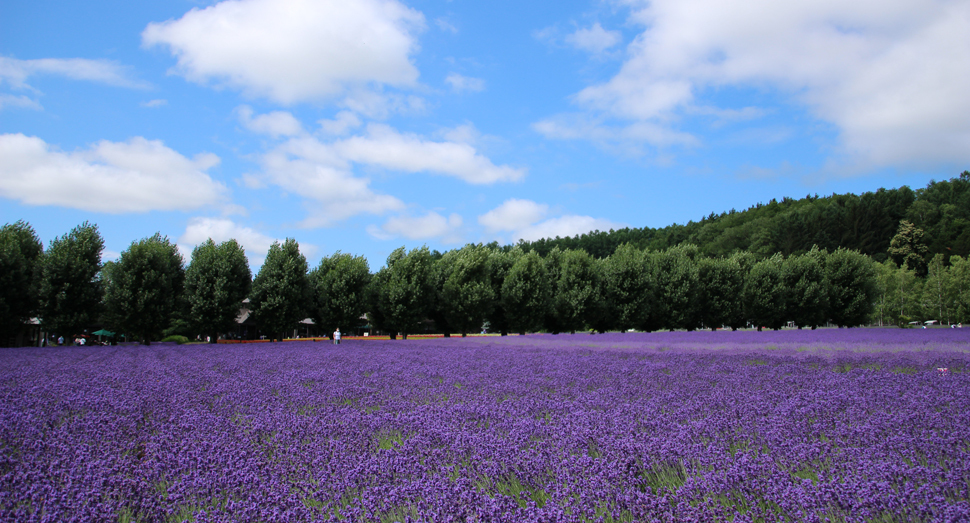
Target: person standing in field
<point>336,337</point>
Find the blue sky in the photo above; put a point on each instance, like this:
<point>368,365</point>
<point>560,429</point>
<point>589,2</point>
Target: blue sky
<point>367,125</point>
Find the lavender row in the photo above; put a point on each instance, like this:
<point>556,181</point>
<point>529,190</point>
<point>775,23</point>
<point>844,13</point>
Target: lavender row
<point>843,425</point>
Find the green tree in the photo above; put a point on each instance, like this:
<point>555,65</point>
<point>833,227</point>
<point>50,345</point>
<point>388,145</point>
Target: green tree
<point>468,294</point>
<point>553,260</point>
<point>765,295</point>
<point>808,296</point>
<point>21,257</point>
<point>217,281</point>
<point>885,286</point>
<point>438,308</point>
<point>677,287</point>
<point>908,249</point>
<point>960,281</point>
<point>629,289</point>
<point>145,286</point>
<point>404,290</point>
<point>339,286</point>
<point>719,284</point>
<point>70,285</point>
<point>576,299</point>
<point>500,262</point>
<point>939,292</point>
<point>525,293</point>
<point>281,294</point>
<point>902,293</point>
<point>852,287</point>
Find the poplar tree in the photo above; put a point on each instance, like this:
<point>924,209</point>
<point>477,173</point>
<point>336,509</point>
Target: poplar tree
<point>808,298</point>
<point>720,282</point>
<point>281,297</point>
<point>145,286</point>
<point>404,291</point>
<point>576,300</point>
<point>499,264</point>
<point>71,290</point>
<point>525,293</point>
<point>339,287</point>
<point>852,287</point>
<point>765,295</point>
<point>467,294</point>
<point>628,286</point>
<point>21,256</point>
<point>217,281</point>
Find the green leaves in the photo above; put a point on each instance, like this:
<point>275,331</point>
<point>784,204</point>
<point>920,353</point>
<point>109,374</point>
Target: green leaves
<point>70,287</point>
<point>852,291</point>
<point>468,295</point>
<point>403,291</point>
<point>628,287</point>
<point>21,255</point>
<point>907,248</point>
<point>765,294</point>
<point>216,282</point>
<point>281,295</point>
<point>576,298</point>
<point>339,287</point>
<point>144,288</point>
<point>720,282</point>
<point>808,299</point>
<point>526,293</point>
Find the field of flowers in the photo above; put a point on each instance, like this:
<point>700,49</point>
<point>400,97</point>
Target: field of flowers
<point>827,425</point>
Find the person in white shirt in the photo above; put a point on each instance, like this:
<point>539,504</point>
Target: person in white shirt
<point>336,337</point>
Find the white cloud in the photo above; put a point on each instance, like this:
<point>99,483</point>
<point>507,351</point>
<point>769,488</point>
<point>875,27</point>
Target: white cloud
<point>275,124</point>
<point>113,177</point>
<point>564,226</point>
<point>294,50</point>
<point>445,25</point>
<point>464,133</point>
<point>513,215</point>
<point>375,103</point>
<point>9,100</point>
<point>311,169</point>
<point>594,39</point>
<point>16,72</point>
<point>322,172</point>
<point>200,229</point>
<point>344,122</point>
<point>627,135</point>
<point>890,76</point>
<point>461,83</point>
<point>154,103</point>
<point>523,219</point>
<point>385,147</point>
<point>431,225</point>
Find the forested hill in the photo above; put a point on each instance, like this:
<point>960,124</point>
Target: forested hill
<point>865,222</point>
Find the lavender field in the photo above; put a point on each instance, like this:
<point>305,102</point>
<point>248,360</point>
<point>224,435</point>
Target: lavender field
<point>827,425</point>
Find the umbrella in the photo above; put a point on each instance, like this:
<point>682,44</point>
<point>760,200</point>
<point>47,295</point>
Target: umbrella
<point>103,332</point>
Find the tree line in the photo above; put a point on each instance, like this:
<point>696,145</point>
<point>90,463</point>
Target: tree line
<point>150,291</point>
